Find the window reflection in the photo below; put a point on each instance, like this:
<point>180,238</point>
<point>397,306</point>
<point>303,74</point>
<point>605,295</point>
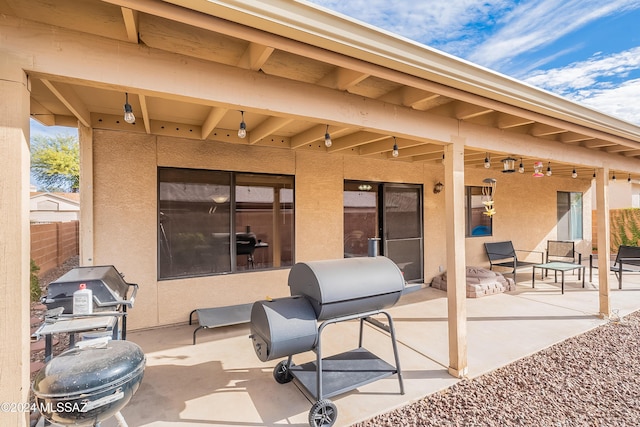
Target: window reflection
<point>198,209</point>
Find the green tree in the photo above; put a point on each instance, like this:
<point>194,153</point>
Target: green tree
<point>55,162</point>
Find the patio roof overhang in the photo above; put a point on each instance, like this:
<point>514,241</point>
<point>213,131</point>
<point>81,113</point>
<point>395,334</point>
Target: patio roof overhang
<point>244,55</point>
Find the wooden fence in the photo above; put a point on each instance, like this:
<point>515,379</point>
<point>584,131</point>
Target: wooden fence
<point>53,243</point>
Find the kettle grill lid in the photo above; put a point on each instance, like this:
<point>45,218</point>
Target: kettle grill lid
<point>88,369</point>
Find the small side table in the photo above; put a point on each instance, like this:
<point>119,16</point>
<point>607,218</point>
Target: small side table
<point>557,266</point>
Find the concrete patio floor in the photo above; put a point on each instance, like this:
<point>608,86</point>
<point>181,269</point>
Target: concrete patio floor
<point>221,382</point>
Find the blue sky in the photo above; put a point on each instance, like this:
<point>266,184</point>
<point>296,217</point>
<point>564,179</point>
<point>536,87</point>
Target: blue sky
<point>585,50</point>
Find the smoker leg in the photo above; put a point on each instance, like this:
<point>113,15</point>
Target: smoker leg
<point>392,332</point>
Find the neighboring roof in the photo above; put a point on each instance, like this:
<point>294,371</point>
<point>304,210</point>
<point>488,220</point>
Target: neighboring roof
<point>73,198</point>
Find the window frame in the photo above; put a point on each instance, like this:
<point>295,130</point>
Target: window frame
<point>570,233</point>
<point>468,223</point>
<point>234,183</point>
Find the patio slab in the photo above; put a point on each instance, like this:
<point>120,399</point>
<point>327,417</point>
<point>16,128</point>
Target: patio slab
<point>221,382</point>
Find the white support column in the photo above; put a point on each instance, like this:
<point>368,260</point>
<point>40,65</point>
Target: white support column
<point>604,240</point>
<point>456,271</point>
<point>85,137</point>
<point>14,239</point>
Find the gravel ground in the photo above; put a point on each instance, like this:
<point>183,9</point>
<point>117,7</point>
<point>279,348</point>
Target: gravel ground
<point>589,380</point>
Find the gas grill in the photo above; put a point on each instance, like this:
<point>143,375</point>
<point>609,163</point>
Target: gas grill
<point>109,288</point>
<point>329,292</point>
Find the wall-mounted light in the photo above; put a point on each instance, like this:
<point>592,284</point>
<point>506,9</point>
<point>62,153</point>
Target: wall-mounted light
<point>364,187</point>
<point>574,174</point>
<point>508,165</point>
<point>242,131</point>
<point>521,167</point>
<point>438,187</point>
<point>487,162</point>
<point>549,169</point>
<point>128,111</point>
<point>327,138</point>
<point>395,151</point>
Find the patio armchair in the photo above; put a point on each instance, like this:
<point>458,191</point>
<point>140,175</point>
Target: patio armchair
<point>503,254</point>
<point>627,260</point>
<point>562,251</point>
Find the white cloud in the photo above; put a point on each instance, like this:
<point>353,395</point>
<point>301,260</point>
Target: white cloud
<point>598,82</point>
<point>532,25</point>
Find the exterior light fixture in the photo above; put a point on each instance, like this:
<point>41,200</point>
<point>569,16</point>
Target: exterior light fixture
<point>242,131</point>
<point>438,187</point>
<point>128,111</point>
<point>327,138</point>
<point>521,167</point>
<point>487,162</point>
<point>629,179</point>
<point>594,173</point>
<point>395,151</point>
<point>549,169</point>
<point>364,187</point>
<point>537,170</point>
<point>613,178</point>
<point>508,165</point>
<point>574,174</point>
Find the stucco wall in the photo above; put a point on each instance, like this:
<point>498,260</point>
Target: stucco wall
<point>125,213</point>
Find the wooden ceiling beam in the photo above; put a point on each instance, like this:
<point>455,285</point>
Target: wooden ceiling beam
<point>342,78</point>
<point>70,99</point>
<point>255,56</point>
<point>267,127</point>
<point>215,115</point>
<point>130,17</point>
<point>145,113</point>
<point>354,140</point>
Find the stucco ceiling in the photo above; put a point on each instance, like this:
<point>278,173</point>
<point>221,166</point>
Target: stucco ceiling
<point>294,53</point>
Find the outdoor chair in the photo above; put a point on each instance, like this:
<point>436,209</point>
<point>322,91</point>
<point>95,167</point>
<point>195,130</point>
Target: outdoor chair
<point>627,261</point>
<point>503,254</point>
<point>562,251</point>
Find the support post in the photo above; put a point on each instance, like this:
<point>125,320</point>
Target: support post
<point>456,269</point>
<point>604,240</point>
<point>14,239</point>
<point>85,139</point>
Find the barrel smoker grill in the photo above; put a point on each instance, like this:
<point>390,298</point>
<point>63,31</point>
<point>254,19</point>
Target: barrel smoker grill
<point>328,291</point>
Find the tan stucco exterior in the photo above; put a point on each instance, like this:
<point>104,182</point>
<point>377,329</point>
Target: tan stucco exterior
<point>125,214</point>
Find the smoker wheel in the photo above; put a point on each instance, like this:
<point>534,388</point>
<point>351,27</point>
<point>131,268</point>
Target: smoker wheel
<point>323,413</point>
<point>281,373</point>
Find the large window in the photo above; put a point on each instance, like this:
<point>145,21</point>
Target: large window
<point>477,222</point>
<point>569,216</point>
<point>216,222</point>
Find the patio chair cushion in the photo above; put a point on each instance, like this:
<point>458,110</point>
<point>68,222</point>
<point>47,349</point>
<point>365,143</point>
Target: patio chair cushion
<point>480,282</point>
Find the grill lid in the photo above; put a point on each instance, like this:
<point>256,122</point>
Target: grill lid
<point>107,284</point>
<point>82,371</point>
<point>347,286</point>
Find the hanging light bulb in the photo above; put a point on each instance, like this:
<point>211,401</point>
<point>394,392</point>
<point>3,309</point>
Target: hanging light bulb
<point>395,151</point>
<point>549,169</point>
<point>327,138</point>
<point>574,174</point>
<point>242,132</point>
<point>521,167</point>
<point>128,111</point>
<point>594,173</point>
<point>487,163</point>
<point>613,178</point>
<point>629,179</point>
